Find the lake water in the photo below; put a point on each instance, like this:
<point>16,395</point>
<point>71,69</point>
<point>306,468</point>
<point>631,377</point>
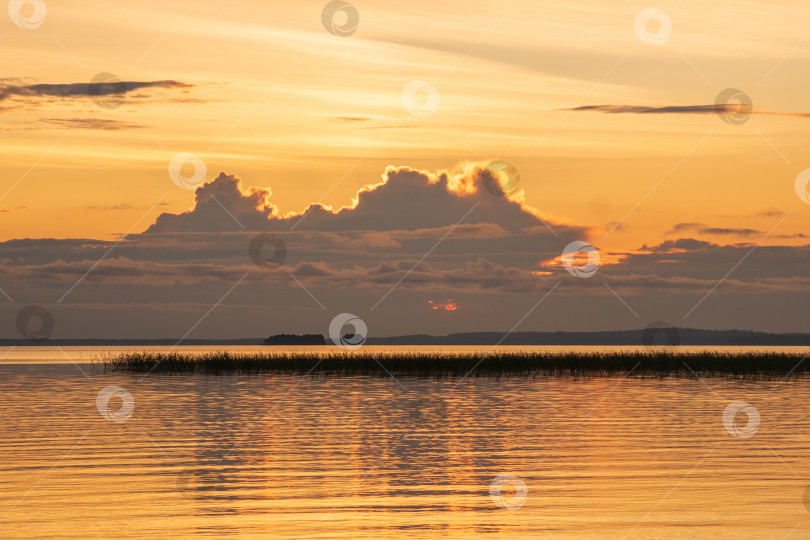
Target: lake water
<point>277,456</point>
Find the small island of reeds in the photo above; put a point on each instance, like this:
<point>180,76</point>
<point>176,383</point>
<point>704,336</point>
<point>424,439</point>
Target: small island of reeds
<point>649,363</point>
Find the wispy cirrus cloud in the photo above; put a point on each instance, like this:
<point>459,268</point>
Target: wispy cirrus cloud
<point>123,206</point>
<point>679,109</point>
<point>104,124</point>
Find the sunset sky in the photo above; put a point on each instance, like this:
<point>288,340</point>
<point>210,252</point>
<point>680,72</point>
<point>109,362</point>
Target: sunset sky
<point>614,128</point>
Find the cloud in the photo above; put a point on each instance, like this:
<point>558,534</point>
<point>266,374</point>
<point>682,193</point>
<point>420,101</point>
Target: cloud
<point>426,236</point>
<point>10,210</point>
<point>120,275</point>
<point>682,244</point>
<point>728,231</point>
<point>123,206</point>
<point>91,123</point>
<point>405,199</point>
<point>350,119</point>
<point>678,109</point>
<point>10,90</point>
<point>447,305</point>
<point>715,231</point>
<point>221,205</point>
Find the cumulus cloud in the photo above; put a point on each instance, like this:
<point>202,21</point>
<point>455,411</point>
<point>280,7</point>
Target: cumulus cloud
<point>220,206</point>
<point>405,199</point>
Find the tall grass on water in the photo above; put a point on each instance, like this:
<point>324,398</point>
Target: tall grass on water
<point>648,363</point>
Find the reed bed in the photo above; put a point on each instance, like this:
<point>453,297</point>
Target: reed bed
<point>653,363</point>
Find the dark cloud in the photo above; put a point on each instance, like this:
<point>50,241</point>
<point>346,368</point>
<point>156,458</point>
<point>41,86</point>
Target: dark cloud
<point>10,90</point>
<point>698,259</point>
<point>728,231</point>
<point>715,231</point>
<point>723,231</point>
<point>677,109</point>
<point>682,244</point>
<point>429,235</point>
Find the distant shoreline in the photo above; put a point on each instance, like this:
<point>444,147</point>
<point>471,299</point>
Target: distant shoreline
<point>648,336</point>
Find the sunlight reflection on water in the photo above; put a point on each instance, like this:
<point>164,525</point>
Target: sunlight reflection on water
<point>270,456</point>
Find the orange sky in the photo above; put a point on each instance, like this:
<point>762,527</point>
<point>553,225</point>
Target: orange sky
<point>286,105</point>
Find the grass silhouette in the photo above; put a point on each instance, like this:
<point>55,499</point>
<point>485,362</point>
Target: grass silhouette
<point>654,362</point>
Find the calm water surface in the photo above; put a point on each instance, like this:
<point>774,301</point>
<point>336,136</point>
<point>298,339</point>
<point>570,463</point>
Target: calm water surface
<point>274,456</point>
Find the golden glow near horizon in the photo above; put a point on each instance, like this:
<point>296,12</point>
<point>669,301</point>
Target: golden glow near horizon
<point>283,104</point>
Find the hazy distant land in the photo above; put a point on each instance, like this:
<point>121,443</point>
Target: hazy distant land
<point>668,336</point>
